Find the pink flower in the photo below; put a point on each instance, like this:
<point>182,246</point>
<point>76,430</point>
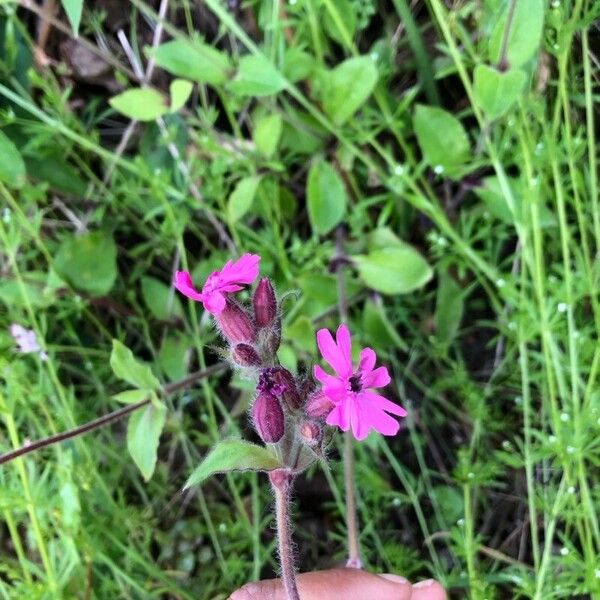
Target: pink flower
<point>355,405</point>
<point>219,283</point>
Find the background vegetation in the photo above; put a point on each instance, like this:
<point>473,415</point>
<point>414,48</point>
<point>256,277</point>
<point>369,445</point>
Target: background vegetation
<point>454,143</point>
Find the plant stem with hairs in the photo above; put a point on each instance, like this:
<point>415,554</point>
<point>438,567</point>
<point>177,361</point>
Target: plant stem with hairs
<point>354,560</point>
<point>282,481</point>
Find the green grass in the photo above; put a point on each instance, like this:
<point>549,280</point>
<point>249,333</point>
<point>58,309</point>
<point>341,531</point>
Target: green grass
<point>492,485</point>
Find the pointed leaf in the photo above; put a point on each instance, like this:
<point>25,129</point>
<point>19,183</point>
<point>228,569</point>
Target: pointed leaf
<point>12,167</point>
<point>125,366</point>
<point>395,270</point>
<point>242,197</point>
<point>73,8</point>
<point>257,77</point>
<point>141,104</point>
<point>496,92</point>
<point>193,60</point>
<point>160,299</point>
<point>131,396</point>
<point>233,455</point>
<point>143,434</point>
<point>180,91</point>
<point>348,87</point>
<point>325,196</point>
<point>267,133</point>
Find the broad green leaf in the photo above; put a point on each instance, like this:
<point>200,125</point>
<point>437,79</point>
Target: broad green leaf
<point>396,270</point>
<point>180,91</point>
<point>141,104</point>
<point>342,27</point>
<point>297,64</point>
<point>193,60</point>
<point>88,262</point>
<point>57,172</point>
<point>257,76</point>
<point>131,396</point>
<point>442,139</point>
<point>73,8</point>
<point>125,366</point>
<point>12,167</point>
<point>347,87</point>
<point>325,196</point>
<point>173,357</point>
<point>161,299</point>
<point>495,91</point>
<point>267,134</point>
<point>242,197</point>
<point>525,33</point>
<point>233,455</point>
<point>448,309</point>
<point>143,434</point>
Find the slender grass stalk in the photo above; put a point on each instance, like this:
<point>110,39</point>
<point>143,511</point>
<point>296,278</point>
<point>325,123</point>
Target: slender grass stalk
<point>281,483</point>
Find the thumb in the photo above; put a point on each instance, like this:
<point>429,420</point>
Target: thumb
<point>349,584</point>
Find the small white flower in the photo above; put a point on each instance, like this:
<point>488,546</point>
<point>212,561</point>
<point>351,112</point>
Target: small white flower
<point>27,341</point>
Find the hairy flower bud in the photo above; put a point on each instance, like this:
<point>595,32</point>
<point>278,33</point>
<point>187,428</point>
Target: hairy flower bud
<point>318,405</point>
<point>273,338</point>
<point>282,384</point>
<point>245,356</point>
<point>265,303</point>
<point>268,418</point>
<point>235,324</point>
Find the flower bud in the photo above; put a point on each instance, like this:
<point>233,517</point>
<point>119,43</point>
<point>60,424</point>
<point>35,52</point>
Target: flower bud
<point>310,432</point>
<point>235,324</point>
<point>318,405</point>
<point>245,356</point>
<point>268,418</point>
<point>273,338</point>
<point>265,303</point>
<point>282,384</point>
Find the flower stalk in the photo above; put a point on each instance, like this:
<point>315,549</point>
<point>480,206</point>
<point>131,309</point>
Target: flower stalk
<point>281,482</point>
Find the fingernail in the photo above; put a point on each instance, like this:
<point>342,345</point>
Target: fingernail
<point>394,578</point>
<point>424,584</point>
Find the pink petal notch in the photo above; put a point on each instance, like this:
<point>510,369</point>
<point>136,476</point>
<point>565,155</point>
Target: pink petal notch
<point>231,278</point>
<point>354,406</point>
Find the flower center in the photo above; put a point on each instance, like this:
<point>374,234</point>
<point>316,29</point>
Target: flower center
<point>355,385</point>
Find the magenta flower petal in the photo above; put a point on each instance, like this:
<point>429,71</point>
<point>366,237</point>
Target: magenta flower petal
<point>344,345</point>
<point>376,379</point>
<point>331,353</point>
<point>243,270</point>
<point>367,360</point>
<point>381,403</point>
<point>339,416</point>
<point>215,303</point>
<point>183,282</point>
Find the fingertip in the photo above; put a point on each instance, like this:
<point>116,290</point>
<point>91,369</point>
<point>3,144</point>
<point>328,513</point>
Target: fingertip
<point>428,590</point>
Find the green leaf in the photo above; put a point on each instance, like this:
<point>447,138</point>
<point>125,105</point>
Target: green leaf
<point>301,333</point>
<point>346,13</point>
<point>325,196</point>
<point>12,167</point>
<point>396,270</point>
<point>141,104</point>
<point>88,262</point>
<point>73,8</point>
<point>180,91</point>
<point>131,396</point>
<point>525,34</point>
<point>442,139</point>
<point>242,197</point>
<point>193,60</point>
<point>496,92</point>
<point>257,76</point>
<point>267,134</point>
<point>448,309</point>
<point>161,299</point>
<point>297,64</point>
<point>173,356</point>
<point>143,434</point>
<point>125,366</point>
<point>347,87</point>
<point>233,455</point>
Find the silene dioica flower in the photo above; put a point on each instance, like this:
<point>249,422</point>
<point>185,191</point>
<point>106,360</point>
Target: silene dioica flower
<point>292,413</point>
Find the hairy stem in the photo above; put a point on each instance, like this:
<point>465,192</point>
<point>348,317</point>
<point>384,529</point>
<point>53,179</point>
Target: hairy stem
<point>105,419</point>
<point>281,482</point>
<point>349,483</point>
